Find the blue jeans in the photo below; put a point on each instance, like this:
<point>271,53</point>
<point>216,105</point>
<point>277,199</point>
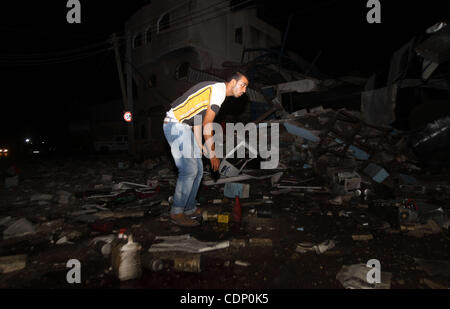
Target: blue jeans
<point>188,159</point>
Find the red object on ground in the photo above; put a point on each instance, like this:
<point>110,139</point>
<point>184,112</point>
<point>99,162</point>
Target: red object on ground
<point>237,211</point>
<point>106,227</point>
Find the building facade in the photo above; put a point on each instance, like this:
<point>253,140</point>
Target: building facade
<point>167,38</point>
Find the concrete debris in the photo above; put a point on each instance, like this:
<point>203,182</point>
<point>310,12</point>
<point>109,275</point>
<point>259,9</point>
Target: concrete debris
<point>377,173</point>
<point>356,277</point>
<point>434,267</point>
<point>5,221</point>
<point>186,243</point>
<point>106,179</point>
<point>12,263</point>
<point>362,237</point>
<point>63,241</point>
<point>41,197</point>
<point>19,228</point>
<point>241,263</point>
<point>11,182</point>
<point>260,242</point>
<point>341,173</point>
<point>321,248</point>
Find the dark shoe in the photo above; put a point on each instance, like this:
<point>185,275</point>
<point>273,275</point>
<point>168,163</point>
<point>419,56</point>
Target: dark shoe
<point>182,220</point>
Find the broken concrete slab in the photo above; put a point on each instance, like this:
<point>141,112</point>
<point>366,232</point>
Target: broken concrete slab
<point>300,86</point>
<point>295,129</point>
<point>19,228</point>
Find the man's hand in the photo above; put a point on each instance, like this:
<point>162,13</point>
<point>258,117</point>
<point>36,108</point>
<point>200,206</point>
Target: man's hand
<point>215,163</point>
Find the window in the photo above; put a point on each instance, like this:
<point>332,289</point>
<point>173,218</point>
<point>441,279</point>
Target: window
<point>137,41</point>
<point>238,35</point>
<point>148,35</point>
<point>181,72</point>
<point>164,22</point>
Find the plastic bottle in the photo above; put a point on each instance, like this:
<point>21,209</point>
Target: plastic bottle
<point>126,259</point>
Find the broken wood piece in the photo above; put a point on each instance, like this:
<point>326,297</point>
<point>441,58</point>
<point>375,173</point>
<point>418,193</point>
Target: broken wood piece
<point>362,237</point>
<point>260,241</point>
<point>241,263</point>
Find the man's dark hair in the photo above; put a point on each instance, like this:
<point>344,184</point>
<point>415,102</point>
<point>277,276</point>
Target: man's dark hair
<point>235,75</point>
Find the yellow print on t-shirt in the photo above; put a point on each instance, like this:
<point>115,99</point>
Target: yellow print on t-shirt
<point>196,103</point>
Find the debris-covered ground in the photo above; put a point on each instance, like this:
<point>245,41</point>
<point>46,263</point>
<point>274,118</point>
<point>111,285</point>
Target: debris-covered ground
<point>344,194</point>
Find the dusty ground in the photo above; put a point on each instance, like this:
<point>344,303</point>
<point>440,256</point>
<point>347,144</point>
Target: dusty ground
<point>295,218</point>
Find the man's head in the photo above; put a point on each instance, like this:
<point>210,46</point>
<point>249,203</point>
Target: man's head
<point>236,84</point>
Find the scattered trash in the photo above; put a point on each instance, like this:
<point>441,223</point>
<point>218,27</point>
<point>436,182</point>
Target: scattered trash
<point>318,249</point>
<point>237,243</point>
<point>187,263</point>
<point>186,243</point>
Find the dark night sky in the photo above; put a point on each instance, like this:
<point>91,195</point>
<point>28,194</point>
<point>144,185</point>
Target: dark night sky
<point>36,97</point>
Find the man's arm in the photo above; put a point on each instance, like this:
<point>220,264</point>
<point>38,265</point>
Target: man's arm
<point>209,140</point>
